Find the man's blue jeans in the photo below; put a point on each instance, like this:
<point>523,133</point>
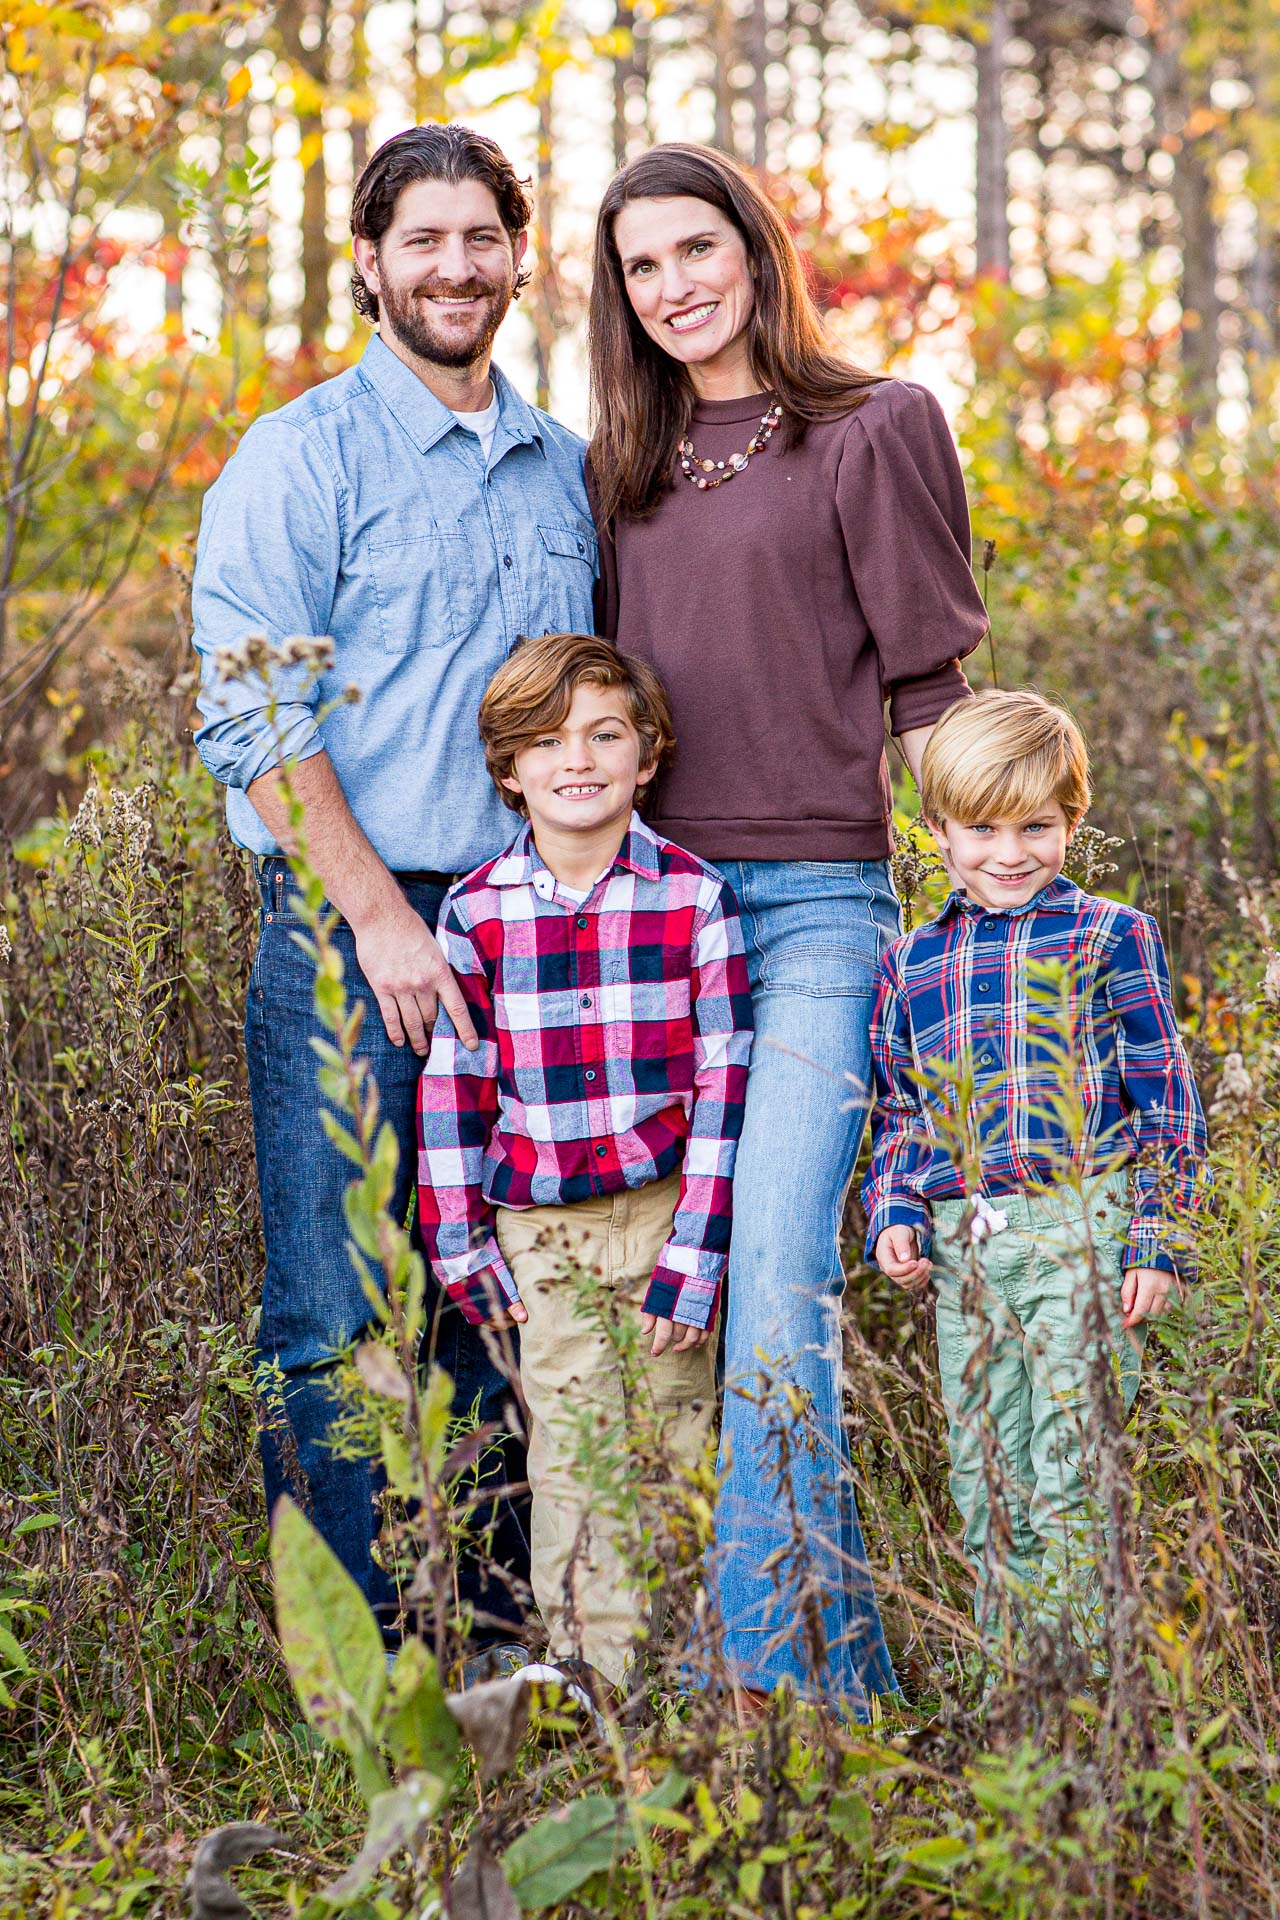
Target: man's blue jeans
<point>313,1305</point>
<point>814,931</point>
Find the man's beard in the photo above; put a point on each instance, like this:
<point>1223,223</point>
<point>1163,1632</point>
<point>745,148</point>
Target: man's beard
<point>407,311</point>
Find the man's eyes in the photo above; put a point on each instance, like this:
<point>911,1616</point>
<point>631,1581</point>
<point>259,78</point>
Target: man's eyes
<point>434,240</point>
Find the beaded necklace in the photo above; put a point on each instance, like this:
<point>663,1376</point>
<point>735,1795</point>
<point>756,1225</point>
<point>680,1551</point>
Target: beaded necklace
<point>696,471</point>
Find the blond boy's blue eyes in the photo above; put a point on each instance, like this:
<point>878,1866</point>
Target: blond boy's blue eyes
<point>1032,826</point>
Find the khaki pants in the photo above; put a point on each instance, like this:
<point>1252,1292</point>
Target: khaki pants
<point>610,1427</point>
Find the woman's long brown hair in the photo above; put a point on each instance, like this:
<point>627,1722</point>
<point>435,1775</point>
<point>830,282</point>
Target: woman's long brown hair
<point>642,398</point>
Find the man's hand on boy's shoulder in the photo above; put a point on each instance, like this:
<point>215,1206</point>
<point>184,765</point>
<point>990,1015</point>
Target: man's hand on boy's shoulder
<point>664,1332</point>
<point>898,1255</point>
<point>1144,1292</point>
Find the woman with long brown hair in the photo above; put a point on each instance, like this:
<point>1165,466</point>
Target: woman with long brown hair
<point>786,539</point>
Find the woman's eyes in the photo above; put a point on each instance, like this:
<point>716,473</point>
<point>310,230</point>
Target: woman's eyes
<point>695,250</point>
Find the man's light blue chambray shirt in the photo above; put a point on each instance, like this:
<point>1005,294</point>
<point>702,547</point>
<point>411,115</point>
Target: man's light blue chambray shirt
<point>363,511</point>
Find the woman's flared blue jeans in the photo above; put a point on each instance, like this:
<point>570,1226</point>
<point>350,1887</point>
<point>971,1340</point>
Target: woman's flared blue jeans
<point>788,1572</point>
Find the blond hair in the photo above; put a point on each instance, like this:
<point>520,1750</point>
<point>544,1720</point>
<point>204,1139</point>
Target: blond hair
<point>1004,756</point>
<point>533,689</point>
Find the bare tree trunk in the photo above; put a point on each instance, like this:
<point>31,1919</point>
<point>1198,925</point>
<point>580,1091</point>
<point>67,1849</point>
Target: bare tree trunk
<point>1262,336</point>
<point>756,48</point>
<point>1193,198</point>
<point>990,54</point>
<point>630,83</point>
<point>359,91</point>
<point>304,28</point>
<point>545,290</point>
<point>724,56</point>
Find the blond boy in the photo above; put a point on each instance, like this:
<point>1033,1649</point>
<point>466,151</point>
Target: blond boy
<point>1037,1141</point>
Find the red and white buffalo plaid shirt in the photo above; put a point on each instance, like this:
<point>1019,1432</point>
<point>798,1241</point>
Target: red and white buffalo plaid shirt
<point>614,1035</point>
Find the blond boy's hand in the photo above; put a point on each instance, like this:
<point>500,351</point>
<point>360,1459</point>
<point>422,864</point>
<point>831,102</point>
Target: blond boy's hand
<point>898,1255</point>
<point>1143,1293</point>
<point>513,1313</point>
<point>662,1331</point>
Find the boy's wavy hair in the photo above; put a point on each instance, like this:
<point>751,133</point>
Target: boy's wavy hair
<point>450,153</point>
<point>532,692</point>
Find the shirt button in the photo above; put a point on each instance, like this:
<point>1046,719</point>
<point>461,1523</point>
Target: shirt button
<point>601,1152</point>
<point>506,561</point>
<point>582,921</point>
<point>581,547</point>
<point>986,1061</point>
<point>986,923</point>
<point>983,987</point>
<point>590,1074</point>
<point>586,999</point>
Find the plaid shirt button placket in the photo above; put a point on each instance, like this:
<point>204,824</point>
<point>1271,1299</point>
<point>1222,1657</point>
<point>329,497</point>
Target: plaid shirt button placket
<point>961,984</point>
<point>600,1066</point>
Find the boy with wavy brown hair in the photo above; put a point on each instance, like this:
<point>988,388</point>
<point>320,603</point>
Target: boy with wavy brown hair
<point>577,1167</point>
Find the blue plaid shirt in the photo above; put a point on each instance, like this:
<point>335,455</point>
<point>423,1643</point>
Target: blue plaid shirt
<point>1059,1015</point>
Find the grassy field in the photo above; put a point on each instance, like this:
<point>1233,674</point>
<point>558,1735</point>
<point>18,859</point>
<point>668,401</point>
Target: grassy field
<point>143,1700</point>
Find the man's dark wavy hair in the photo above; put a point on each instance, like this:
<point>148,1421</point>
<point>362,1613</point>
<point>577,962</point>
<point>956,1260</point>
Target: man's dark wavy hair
<point>450,153</point>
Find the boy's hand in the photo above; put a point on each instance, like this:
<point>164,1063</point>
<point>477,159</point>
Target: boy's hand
<point>662,1331</point>
<point>1144,1292</point>
<point>897,1254</point>
<point>514,1314</point>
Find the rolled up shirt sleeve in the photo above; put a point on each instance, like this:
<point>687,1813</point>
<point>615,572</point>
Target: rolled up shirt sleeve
<point>267,562</point>
<point>901,500</point>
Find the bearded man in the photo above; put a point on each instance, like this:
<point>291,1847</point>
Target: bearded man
<point>419,513</point>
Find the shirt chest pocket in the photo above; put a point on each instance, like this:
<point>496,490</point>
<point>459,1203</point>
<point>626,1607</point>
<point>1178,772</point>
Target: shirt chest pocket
<point>425,588</point>
<point>567,561</point>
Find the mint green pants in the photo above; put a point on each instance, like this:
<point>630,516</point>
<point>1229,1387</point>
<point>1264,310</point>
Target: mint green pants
<point>1035,1368</point>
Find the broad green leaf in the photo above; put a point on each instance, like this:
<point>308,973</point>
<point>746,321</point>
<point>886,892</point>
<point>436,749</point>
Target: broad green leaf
<point>339,1136</point>
<point>849,1818</point>
<point>435,1403</point>
<point>945,1850</point>
<point>37,1522</point>
<point>396,1820</point>
<point>330,1640</point>
<point>13,1658</point>
<point>551,1859</point>
<point>417,1726</point>
<point>398,1462</point>
<point>363,1216</point>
